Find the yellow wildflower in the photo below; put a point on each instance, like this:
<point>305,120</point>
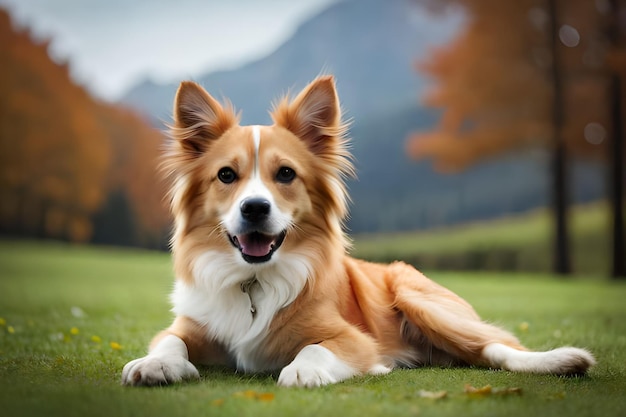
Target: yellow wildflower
<point>96,339</point>
<point>115,346</point>
<point>74,331</point>
<point>3,322</point>
<point>11,329</point>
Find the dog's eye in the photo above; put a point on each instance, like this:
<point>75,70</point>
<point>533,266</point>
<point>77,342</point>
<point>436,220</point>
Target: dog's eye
<point>285,175</point>
<point>226,175</point>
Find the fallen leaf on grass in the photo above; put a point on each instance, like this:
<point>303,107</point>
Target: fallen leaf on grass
<point>438,395</point>
<point>487,390</point>
<point>217,402</point>
<point>477,392</point>
<point>251,394</point>
<point>245,394</point>
<point>557,396</point>
<point>265,396</point>
<point>508,391</point>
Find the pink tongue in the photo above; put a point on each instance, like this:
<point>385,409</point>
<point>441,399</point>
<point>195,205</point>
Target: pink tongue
<point>255,244</point>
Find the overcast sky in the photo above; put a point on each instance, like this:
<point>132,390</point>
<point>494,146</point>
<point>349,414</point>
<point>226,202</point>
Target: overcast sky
<point>112,44</point>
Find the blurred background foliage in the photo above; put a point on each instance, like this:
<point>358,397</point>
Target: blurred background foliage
<point>477,124</point>
<point>72,168</point>
<point>534,73</point>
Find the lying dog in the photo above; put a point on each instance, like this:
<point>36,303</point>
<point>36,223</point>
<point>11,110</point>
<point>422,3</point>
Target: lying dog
<point>263,279</point>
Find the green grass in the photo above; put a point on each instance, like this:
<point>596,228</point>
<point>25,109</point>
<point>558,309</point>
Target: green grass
<point>515,243</point>
<point>122,295</point>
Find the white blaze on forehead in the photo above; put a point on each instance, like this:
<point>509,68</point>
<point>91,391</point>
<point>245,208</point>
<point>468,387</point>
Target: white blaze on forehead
<point>256,137</point>
<point>255,187</point>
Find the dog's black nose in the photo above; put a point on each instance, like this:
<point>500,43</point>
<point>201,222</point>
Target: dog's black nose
<point>255,209</point>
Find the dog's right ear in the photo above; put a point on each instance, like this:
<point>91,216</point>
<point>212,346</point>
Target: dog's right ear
<point>199,118</point>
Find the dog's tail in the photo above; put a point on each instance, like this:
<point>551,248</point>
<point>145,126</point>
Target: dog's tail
<point>452,325</point>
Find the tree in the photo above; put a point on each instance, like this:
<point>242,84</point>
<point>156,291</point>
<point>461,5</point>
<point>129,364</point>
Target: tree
<point>523,73</point>
<point>53,156</point>
<point>617,36</point>
<point>67,160</point>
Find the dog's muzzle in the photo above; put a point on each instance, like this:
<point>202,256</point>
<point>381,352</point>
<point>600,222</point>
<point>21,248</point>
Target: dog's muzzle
<point>255,244</point>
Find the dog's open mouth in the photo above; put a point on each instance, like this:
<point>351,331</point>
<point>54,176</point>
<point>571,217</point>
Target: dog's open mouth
<point>256,247</point>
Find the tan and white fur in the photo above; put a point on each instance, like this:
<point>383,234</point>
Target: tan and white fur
<point>263,279</point>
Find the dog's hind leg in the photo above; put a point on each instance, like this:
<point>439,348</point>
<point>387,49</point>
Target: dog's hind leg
<point>452,325</point>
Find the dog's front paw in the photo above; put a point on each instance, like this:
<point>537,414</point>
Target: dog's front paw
<point>158,370</point>
<point>309,376</point>
<point>314,366</point>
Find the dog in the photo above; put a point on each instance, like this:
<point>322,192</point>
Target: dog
<point>263,279</point>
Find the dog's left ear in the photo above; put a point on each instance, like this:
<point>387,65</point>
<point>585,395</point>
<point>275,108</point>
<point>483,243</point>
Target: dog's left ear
<point>314,115</point>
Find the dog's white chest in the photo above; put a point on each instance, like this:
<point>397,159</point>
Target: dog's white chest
<point>238,319</point>
<point>237,304</point>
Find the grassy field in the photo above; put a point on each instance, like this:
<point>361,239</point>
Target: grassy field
<point>514,243</point>
<point>70,317</point>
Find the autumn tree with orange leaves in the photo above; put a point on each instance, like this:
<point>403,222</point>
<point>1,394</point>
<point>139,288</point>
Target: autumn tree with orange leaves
<point>62,154</point>
<point>531,73</point>
<point>53,158</point>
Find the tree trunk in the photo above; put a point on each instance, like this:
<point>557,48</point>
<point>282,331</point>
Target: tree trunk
<point>560,207</point>
<point>616,157</point>
<point>616,162</point>
<point>561,262</point>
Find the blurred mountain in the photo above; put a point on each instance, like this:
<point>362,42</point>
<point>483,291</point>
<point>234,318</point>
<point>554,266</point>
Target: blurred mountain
<point>371,46</point>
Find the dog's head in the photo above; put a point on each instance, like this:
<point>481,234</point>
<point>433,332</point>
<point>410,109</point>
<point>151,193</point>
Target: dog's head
<point>255,191</point>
